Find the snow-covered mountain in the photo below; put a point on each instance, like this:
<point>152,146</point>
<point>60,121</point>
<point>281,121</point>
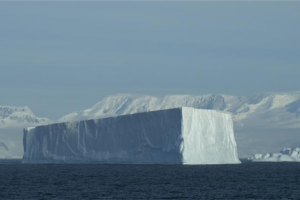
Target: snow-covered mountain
<point>275,109</point>
<point>263,122</point>
<point>19,116</point>
<point>12,122</point>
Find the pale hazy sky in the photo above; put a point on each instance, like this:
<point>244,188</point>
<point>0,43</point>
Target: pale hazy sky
<point>58,57</point>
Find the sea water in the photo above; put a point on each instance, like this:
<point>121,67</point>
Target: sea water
<point>93,181</point>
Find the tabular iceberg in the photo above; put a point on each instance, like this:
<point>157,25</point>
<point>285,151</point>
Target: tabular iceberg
<point>173,136</point>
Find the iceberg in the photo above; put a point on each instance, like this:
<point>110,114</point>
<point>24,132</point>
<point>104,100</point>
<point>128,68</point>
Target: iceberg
<point>285,155</point>
<point>173,136</point>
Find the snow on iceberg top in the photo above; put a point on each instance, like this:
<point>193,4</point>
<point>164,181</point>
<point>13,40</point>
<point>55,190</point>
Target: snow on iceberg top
<point>191,108</point>
<point>285,155</point>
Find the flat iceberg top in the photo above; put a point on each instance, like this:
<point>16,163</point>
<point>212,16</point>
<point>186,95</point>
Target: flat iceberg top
<point>172,136</point>
<point>155,111</point>
<point>285,155</point>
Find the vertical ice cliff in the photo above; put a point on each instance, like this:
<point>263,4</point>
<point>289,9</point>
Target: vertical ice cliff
<point>173,136</point>
<point>208,137</point>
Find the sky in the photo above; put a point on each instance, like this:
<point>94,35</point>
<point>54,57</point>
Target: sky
<point>59,57</point>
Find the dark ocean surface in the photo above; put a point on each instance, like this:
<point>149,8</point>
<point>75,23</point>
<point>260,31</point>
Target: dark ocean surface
<point>241,181</point>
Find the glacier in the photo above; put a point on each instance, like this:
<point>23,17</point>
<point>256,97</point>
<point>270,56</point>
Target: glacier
<point>172,136</point>
<point>285,155</point>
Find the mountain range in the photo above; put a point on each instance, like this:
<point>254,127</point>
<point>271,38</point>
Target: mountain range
<point>263,123</point>
<point>276,109</point>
